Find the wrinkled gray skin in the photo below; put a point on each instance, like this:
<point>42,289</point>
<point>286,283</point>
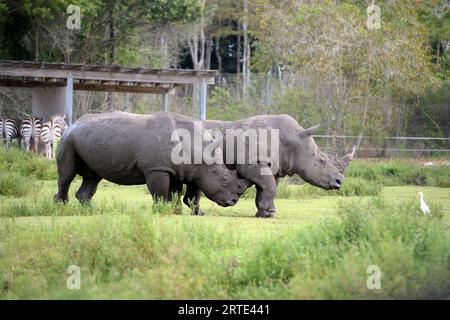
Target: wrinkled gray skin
<point>299,154</point>
<point>130,149</point>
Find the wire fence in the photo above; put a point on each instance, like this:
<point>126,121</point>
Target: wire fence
<point>371,146</point>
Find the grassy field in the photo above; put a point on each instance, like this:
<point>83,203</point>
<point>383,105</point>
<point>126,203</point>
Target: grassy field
<point>319,246</point>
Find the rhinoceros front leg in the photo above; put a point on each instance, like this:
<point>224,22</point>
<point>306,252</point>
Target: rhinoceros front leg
<point>266,188</point>
<point>265,197</point>
<point>192,199</point>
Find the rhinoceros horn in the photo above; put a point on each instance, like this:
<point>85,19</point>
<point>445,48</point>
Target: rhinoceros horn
<point>343,162</point>
<point>352,154</point>
<point>312,130</point>
<point>349,157</point>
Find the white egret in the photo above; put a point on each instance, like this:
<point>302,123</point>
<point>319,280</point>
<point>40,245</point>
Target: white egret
<point>423,206</point>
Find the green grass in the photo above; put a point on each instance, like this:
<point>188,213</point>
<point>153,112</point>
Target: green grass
<point>318,247</point>
<point>13,184</point>
<point>129,253</point>
<point>400,172</point>
<point>353,186</point>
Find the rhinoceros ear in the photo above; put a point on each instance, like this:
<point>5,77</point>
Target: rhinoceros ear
<point>310,131</point>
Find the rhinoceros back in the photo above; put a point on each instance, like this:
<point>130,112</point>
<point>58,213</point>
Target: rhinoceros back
<point>118,146</point>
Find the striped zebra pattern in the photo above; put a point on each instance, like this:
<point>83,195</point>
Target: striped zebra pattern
<point>30,129</point>
<point>52,131</point>
<point>9,129</point>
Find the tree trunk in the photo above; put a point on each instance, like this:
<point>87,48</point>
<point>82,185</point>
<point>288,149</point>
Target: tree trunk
<point>209,44</point>
<point>332,111</point>
<point>246,55</point>
<point>202,44</point>
<point>197,47</point>
<point>164,50</point>
<point>267,93</point>
<point>364,119</point>
<point>399,126</point>
<point>339,127</point>
<point>238,49</point>
<point>193,50</point>
<point>218,57</point>
<point>112,36</point>
<point>36,43</point>
<point>387,115</point>
<point>112,52</point>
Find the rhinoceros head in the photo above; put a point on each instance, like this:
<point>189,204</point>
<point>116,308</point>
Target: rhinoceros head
<point>219,183</point>
<point>222,185</point>
<point>316,167</point>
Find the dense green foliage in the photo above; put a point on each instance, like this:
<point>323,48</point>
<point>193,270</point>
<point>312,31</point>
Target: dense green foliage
<point>13,184</point>
<point>394,173</point>
<point>27,164</point>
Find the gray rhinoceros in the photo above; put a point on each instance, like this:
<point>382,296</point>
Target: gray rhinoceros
<point>297,154</point>
<point>131,149</point>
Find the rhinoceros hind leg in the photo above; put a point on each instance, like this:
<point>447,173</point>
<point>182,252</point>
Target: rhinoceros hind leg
<point>192,199</point>
<point>158,183</point>
<point>66,172</point>
<point>87,189</point>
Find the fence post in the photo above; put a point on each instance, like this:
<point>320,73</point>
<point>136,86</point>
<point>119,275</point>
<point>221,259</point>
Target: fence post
<point>165,102</point>
<point>203,101</point>
<point>69,99</point>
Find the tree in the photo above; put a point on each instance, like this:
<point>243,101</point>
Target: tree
<point>352,65</point>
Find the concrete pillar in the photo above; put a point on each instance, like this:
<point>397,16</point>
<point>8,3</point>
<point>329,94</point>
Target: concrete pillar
<point>48,101</point>
<point>203,101</point>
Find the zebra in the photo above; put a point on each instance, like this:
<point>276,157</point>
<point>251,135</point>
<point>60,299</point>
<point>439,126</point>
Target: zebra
<point>30,129</point>
<point>9,130</point>
<point>52,131</point>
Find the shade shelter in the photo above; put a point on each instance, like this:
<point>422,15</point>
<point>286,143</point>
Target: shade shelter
<point>53,83</point>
